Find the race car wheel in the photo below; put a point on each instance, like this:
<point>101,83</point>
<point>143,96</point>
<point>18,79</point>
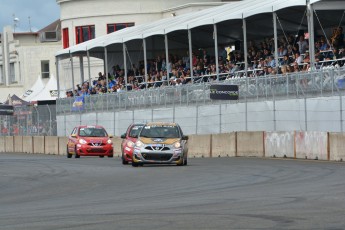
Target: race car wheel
<point>181,164</point>
<point>110,156</point>
<point>135,164</point>
<point>124,162</point>
<point>101,156</point>
<point>185,161</point>
<point>68,154</point>
<point>76,153</point>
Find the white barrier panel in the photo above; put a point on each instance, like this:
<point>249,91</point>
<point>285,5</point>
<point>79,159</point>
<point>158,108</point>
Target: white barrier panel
<point>250,144</point>
<point>38,144</point>
<point>63,145</point>
<point>311,145</point>
<point>51,145</point>
<point>279,144</point>
<point>199,146</point>
<point>117,146</point>
<point>18,144</point>
<point>9,144</point>
<point>337,146</point>
<point>2,144</point>
<point>28,144</point>
<point>223,145</point>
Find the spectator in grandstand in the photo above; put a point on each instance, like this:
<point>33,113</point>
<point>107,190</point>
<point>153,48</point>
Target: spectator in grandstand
<point>323,44</point>
<point>283,69</point>
<point>302,44</point>
<point>271,62</point>
<point>282,51</point>
<point>298,58</point>
<point>286,60</point>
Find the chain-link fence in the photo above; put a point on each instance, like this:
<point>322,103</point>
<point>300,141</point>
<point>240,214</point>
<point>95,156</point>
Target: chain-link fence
<point>30,121</point>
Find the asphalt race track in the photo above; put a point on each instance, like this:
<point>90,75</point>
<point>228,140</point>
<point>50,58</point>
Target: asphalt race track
<point>53,192</point>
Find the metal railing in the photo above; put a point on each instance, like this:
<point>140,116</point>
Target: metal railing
<point>325,82</point>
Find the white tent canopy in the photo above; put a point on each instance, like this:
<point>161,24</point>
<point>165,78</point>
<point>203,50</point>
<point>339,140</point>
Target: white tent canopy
<point>49,92</point>
<point>37,87</point>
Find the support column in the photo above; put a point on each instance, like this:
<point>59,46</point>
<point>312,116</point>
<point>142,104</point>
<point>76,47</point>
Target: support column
<point>311,35</point>
<point>57,75</point>
<point>215,35</point>
<point>88,66</point>
<point>72,69</point>
<point>125,63</point>
<point>190,54</point>
<point>106,66</point>
<point>245,49</point>
<point>81,66</point>
<point>166,55</point>
<point>145,62</point>
<point>275,40</point>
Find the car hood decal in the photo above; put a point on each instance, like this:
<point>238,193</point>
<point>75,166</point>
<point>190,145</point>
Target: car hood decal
<point>166,141</point>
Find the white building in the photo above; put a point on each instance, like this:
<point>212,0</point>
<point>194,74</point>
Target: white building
<point>82,20</point>
<point>24,56</point>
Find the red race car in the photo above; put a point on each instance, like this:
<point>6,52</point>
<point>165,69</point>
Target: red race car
<point>129,139</point>
<point>89,141</point>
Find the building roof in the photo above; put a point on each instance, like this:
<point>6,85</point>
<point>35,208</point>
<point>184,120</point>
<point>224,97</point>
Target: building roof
<point>228,12</point>
<point>54,26</point>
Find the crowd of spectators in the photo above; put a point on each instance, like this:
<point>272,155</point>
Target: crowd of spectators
<point>293,56</point>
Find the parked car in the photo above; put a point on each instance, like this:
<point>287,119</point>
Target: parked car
<point>128,142</point>
<point>160,143</point>
<point>88,140</point>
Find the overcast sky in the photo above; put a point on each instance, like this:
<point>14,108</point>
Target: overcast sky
<point>41,13</point>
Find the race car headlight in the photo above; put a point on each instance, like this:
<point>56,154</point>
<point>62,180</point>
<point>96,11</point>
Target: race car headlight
<point>177,145</point>
<point>109,141</point>
<point>139,144</point>
<point>130,144</point>
<point>82,141</point>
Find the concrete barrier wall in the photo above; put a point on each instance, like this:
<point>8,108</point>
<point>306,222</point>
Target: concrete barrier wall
<point>9,144</point>
<point>63,145</point>
<point>199,146</point>
<point>28,145</point>
<point>117,146</point>
<point>2,145</point>
<point>51,145</point>
<point>337,146</point>
<point>279,144</point>
<point>223,145</point>
<point>38,144</point>
<point>250,144</point>
<point>300,145</point>
<point>311,145</point>
<point>18,144</point>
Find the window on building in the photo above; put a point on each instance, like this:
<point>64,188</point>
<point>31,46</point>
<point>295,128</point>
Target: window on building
<point>84,33</point>
<point>118,26</point>
<point>65,38</point>
<point>12,74</point>
<point>45,69</point>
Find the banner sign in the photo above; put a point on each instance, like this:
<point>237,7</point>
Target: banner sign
<point>78,104</point>
<point>224,92</point>
<point>53,93</point>
<point>6,110</point>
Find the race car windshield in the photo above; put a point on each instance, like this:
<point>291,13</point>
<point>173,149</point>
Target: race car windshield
<point>135,131</point>
<point>92,132</point>
<point>160,132</point>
